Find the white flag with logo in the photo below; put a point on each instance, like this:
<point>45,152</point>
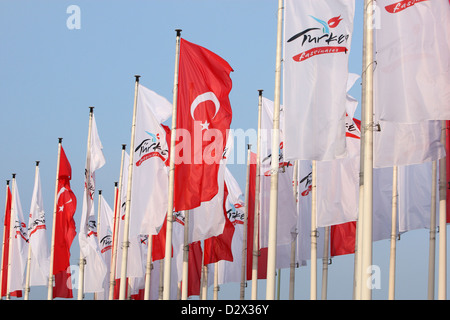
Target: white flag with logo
<point>287,211</point>
<point>316,47</point>
<point>95,267</point>
<point>149,190</point>
<point>19,243</point>
<point>412,74</point>
<point>40,254</point>
<point>105,239</point>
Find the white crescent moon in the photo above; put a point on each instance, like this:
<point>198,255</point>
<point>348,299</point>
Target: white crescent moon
<point>202,98</point>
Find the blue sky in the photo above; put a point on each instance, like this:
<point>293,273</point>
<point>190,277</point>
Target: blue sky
<point>50,75</point>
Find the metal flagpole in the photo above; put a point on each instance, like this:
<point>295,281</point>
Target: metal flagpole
<point>117,210</point>
<point>98,225</point>
<point>255,252</point>
<point>294,239</point>
<point>185,270</point>
<point>12,220</point>
<point>244,240</point>
<point>52,250</point>
<point>432,243</point>
<point>167,257</point>
<point>313,272</point>
<point>272,246</point>
<point>325,260</point>
<point>28,274</point>
<point>86,194</point>
<point>148,268</point>
<point>393,234</point>
<point>216,281</point>
<point>367,104</point>
<point>126,229</point>
<point>3,243</point>
<point>442,267</point>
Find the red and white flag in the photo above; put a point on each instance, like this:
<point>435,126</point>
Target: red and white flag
<point>105,240</point>
<point>287,211</point>
<point>412,74</point>
<point>95,267</point>
<point>203,119</point>
<point>229,271</point>
<point>40,254</point>
<point>18,243</point>
<point>5,247</point>
<point>317,43</point>
<point>65,230</point>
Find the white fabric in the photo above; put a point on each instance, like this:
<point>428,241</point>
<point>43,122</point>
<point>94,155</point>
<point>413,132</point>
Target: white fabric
<point>316,50</point>
<point>40,253</point>
<point>412,74</point>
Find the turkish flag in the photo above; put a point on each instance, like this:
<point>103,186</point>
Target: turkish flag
<point>219,247</point>
<point>64,229</point>
<point>203,118</point>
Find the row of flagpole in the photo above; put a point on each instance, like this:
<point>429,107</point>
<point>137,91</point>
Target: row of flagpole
<point>363,252</point>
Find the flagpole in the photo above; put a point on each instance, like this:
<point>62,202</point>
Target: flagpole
<point>442,267</point>
<point>168,247</point>
<point>393,234</point>
<point>244,240</point>
<point>184,277</point>
<point>256,211</point>
<point>52,250</point>
<point>432,242</point>
<point>117,206</point>
<point>126,229</point>
<point>294,238</point>
<point>28,274</point>
<point>367,104</point>
<point>325,260</point>
<point>4,239</point>
<point>204,277</point>
<point>98,223</point>
<point>11,231</point>
<point>148,268</point>
<point>216,281</point>
<point>313,272</point>
<point>272,246</point>
<point>82,261</point>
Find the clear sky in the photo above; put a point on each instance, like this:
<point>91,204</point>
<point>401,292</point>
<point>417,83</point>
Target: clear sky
<point>50,75</point>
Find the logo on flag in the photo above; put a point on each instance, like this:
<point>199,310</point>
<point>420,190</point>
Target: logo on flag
<point>327,41</point>
<point>402,5</point>
<point>151,147</point>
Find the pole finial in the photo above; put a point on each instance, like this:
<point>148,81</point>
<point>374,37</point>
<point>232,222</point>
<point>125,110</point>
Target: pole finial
<point>91,109</point>
<point>124,146</point>
<point>37,163</point>
<point>14,175</point>
<point>7,182</point>
<point>60,140</point>
<point>137,77</point>
<point>260,92</point>
<point>178,31</point>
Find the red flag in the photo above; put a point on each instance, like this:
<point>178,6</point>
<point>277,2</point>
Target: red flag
<point>6,242</point>
<point>194,268</point>
<point>342,238</point>
<point>262,258</point>
<point>64,229</point>
<point>219,247</point>
<point>203,118</point>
